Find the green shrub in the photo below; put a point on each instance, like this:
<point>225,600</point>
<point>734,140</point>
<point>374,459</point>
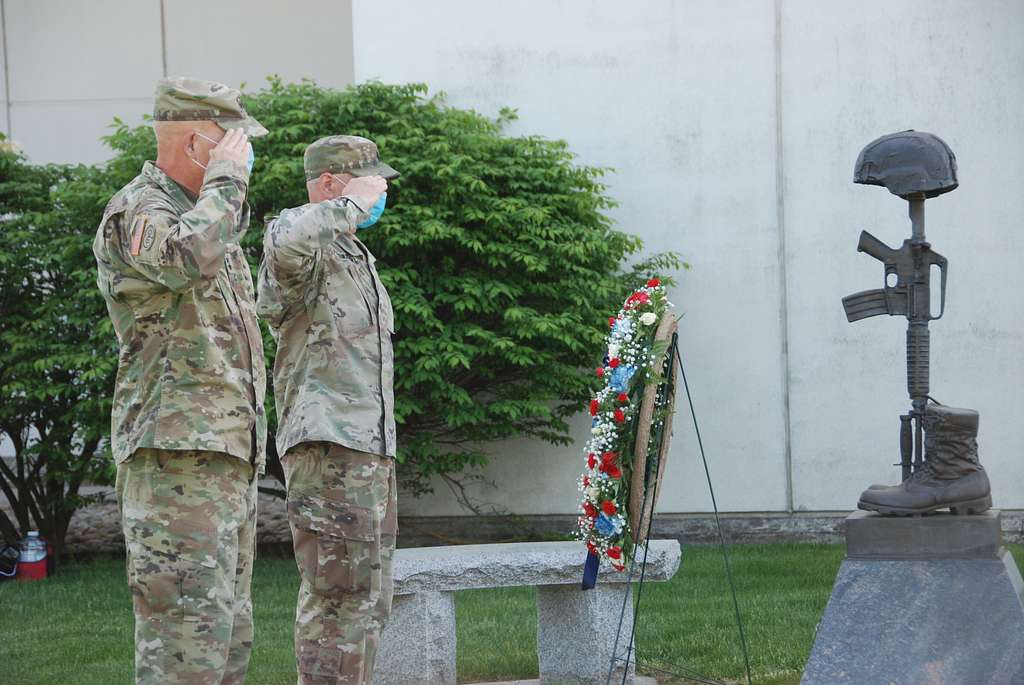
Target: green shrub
<point>57,353</point>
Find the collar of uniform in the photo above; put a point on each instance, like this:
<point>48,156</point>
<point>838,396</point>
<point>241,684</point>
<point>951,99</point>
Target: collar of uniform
<point>352,245</point>
<point>181,196</point>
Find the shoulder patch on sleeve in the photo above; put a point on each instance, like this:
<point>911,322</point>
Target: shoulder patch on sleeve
<point>138,231</point>
<point>149,230</point>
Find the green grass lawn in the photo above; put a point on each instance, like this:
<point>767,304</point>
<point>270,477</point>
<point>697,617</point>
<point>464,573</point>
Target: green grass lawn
<point>76,627</point>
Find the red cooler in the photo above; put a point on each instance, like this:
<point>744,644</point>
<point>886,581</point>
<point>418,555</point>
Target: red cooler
<point>32,562</point>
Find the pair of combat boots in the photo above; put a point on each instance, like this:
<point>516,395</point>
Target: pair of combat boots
<point>951,475</point>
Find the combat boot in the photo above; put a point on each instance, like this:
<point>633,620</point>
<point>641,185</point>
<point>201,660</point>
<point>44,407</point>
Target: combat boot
<point>951,475</point>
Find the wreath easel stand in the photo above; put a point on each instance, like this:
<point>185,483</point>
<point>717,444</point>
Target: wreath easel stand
<point>651,454</point>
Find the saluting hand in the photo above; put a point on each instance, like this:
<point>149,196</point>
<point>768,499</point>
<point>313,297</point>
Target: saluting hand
<point>365,190</point>
<point>232,147</point>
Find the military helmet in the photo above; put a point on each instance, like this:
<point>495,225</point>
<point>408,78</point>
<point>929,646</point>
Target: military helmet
<point>908,163</point>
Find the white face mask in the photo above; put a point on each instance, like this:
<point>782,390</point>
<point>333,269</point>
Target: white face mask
<point>249,162</point>
<point>194,160</point>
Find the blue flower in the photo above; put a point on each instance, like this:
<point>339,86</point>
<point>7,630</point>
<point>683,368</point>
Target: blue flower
<point>619,381</point>
<point>622,327</point>
<point>605,525</point>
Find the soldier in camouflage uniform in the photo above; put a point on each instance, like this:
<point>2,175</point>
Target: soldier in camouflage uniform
<point>188,427</point>
<point>332,319</point>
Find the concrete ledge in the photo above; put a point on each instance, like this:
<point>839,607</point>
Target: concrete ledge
<point>940,536</point>
<point>687,528</point>
<point>97,528</point>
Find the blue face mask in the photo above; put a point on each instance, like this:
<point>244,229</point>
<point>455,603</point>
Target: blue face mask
<point>252,157</point>
<point>375,212</point>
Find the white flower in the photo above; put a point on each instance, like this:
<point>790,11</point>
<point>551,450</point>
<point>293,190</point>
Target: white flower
<point>648,318</point>
<point>613,351</point>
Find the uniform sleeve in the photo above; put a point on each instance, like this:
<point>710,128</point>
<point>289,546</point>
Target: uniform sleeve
<point>179,251</point>
<point>292,246</point>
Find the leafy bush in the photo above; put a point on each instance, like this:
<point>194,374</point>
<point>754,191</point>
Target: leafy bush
<point>57,353</point>
<point>496,251</point>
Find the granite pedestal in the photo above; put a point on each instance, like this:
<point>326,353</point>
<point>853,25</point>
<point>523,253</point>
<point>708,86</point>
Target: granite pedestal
<point>575,628</point>
<point>932,599</point>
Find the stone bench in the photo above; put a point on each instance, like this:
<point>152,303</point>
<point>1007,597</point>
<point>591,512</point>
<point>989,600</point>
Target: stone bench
<point>575,628</point>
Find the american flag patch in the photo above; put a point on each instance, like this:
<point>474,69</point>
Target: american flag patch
<point>140,226</point>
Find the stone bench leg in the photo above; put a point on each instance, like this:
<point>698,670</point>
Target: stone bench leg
<point>417,646</point>
<point>576,633</point>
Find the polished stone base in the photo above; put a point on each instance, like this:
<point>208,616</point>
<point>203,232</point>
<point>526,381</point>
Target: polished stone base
<point>935,599</point>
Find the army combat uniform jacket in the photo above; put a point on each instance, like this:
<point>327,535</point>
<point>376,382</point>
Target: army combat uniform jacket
<point>332,319</point>
<point>180,294</point>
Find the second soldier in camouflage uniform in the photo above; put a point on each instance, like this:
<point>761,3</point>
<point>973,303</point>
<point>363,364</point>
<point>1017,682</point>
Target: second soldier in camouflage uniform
<point>188,426</point>
<point>333,321</point>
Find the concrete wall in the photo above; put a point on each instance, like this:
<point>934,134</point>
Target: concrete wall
<point>733,126</point>
<point>71,67</point>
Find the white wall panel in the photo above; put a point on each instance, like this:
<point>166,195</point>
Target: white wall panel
<point>679,99</point>
<point>851,74</point>
<point>296,40</point>
<point>101,49</point>
<point>70,131</point>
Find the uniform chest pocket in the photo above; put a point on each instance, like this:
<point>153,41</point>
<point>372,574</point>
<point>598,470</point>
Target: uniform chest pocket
<point>348,294</point>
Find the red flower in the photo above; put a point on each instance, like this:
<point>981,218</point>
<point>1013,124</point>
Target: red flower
<point>594,406</point>
<point>615,552</point>
<point>591,548</point>
<point>623,397</point>
<point>644,298</point>
<point>609,457</point>
<point>614,363</point>
<point>591,460</point>
<point>586,481</point>
<point>608,507</point>
<point>590,510</point>
<point>611,321</point>
<point>600,372</point>
<point>653,283</point>
<point>612,470</point>
<point>620,417</point>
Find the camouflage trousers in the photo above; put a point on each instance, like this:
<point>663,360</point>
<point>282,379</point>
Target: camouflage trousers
<point>342,507</point>
<point>189,521</point>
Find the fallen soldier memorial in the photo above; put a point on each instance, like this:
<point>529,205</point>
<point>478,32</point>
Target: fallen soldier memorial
<point>936,597</point>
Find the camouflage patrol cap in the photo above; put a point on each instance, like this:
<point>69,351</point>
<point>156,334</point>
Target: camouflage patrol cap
<point>345,154</point>
<point>192,99</point>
